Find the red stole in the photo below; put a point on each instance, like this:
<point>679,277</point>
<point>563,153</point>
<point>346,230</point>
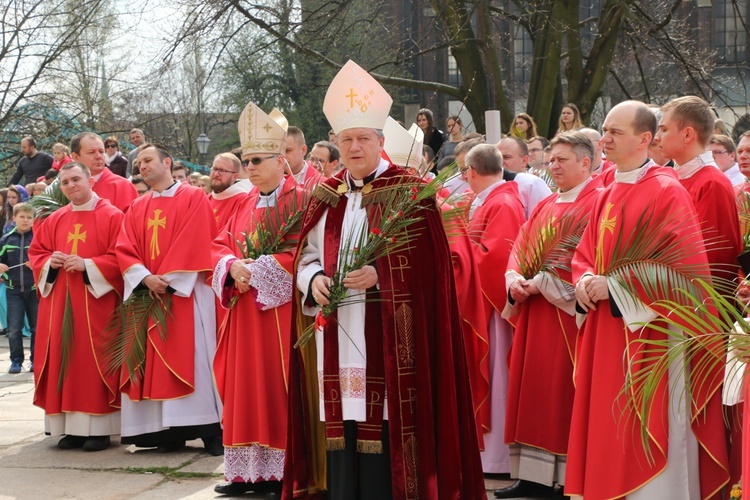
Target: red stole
<point>156,233</point>
<point>88,386</point>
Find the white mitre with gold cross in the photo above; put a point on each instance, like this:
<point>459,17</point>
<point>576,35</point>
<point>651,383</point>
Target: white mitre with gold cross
<point>356,100</point>
<point>262,133</point>
<point>403,147</point>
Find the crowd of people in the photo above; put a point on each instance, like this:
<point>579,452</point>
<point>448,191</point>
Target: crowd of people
<point>392,314</point>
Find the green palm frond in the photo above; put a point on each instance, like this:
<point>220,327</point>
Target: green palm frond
<point>66,339</point>
<point>548,243</point>
<point>698,331</point>
<point>127,331</point>
<point>49,201</point>
<point>652,260</point>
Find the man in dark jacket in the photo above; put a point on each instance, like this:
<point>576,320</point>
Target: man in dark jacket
<point>33,165</point>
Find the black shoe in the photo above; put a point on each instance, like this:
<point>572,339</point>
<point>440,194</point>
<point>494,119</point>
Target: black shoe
<point>96,443</point>
<point>170,446</point>
<point>71,442</point>
<point>213,446</point>
<point>522,488</point>
<point>233,489</point>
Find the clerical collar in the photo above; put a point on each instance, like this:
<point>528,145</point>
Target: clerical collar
<point>571,195</point>
<point>632,176</point>
<point>358,184</point>
<point>167,193</point>
<point>98,176</point>
<point>690,168</point>
<point>266,200</point>
<point>86,206</point>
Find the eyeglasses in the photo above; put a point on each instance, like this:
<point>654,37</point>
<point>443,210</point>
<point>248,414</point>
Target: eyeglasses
<point>257,160</point>
<point>465,169</point>
<point>108,146</point>
<point>535,150</point>
<point>222,171</point>
<point>720,152</point>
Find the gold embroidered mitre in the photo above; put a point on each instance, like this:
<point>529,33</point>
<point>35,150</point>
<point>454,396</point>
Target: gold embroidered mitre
<point>356,100</point>
<point>403,147</point>
<point>261,133</point>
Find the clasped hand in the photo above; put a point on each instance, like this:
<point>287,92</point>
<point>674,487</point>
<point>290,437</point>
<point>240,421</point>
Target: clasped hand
<point>68,262</point>
<point>590,290</point>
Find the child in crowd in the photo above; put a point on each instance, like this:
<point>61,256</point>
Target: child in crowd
<point>21,289</point>
<point>61,154</point>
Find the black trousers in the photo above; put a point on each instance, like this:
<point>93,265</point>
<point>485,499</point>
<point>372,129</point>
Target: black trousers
<point>359,476</point>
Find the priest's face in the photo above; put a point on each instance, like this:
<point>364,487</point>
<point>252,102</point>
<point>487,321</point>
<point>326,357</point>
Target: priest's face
<point>153,169</point>
<point>622,144</point>
<point>743,156</point>
<point>265,171</point>
<point>76,185</point>
<point>360,150</point>
<point>670,138</point>
<point>567,170</point>
<point>91,154</point>
<point>223,174</point>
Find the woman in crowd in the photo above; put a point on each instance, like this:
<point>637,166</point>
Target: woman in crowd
<point>455,130</point>
<point>570,119</point>
<point>523,127</point>
<point>16,194</point>
<point>115,160</point>
<point>432,136</point>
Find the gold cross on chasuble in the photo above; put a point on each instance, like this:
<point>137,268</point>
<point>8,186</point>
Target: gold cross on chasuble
<point>75,237</point>
<point>607,224</point>
<point>154,224</point>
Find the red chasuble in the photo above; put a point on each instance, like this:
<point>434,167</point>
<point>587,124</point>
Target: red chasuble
<point>540,382</point>
<point>118,190</point>
<point>168,235</point>
<point>605,456</point>
<point>88,387</point>
<point>471,308</point>
<point>494,228</point>
<point>433,442</point>
<point>712,193</point>
<point>252,355</point>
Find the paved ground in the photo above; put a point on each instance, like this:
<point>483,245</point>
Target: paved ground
<point>31,466</point>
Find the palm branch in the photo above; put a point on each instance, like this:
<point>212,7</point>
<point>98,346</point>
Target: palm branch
<point>51,200</point>
<point>66,339</point>
<point>127,331</point>
<point>650,258</point>
<point>548,244</point>
<point>698,331</point>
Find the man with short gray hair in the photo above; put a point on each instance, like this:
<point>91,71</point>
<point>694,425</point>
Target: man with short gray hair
<point>496,216</point>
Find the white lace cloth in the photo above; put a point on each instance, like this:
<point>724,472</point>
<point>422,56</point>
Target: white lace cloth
<point>273,283</point>
<point>253,463</point>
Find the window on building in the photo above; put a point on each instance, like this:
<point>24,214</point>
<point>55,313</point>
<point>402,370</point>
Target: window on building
<point>523,54</point>
<point>729,30</point>
<point>454,77</point>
